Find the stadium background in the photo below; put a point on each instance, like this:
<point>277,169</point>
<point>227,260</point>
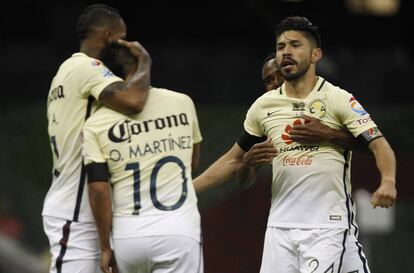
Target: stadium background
<point>213,51</point>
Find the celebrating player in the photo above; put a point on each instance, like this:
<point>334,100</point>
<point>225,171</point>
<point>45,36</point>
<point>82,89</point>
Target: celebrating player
<point>80,85</point>
<point>145,160</point>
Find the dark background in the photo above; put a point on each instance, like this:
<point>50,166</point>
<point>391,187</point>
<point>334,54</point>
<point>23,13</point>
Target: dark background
<point>212,51</point>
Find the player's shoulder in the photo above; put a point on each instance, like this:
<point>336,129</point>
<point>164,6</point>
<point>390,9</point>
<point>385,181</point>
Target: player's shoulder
<point>169,94</point>
<point>265,97</point>
<point>334,90</point>
<point>81,60</point>
<point>102,116</point>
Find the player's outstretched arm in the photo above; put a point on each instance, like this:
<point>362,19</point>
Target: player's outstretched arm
<point>100,202</point>
<point>220,171</point>
<point>130,97</point>
<point>386,193</point>
<point>259,153</point>
<point>313,131</point>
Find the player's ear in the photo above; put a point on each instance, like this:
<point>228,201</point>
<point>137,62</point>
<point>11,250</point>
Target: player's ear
<point>316,55</point>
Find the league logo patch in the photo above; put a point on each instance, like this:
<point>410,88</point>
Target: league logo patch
<point>317,108</point>
<point>357,107</point>
<point>96,63</point>
<point>107,73</point>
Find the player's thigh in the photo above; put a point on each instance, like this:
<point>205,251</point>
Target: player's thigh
<point>321,250</point>
<point>354,260</point>
<point>278,252</point>
<point>71,241</point>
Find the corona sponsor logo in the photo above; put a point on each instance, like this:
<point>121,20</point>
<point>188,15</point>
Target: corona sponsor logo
<point>302,160</point>
<point>357,107</point>
<point>123,130</point>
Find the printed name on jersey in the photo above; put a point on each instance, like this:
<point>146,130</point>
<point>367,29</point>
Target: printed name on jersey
<point>123,130</point>
<point>357,107</point>
<point>317,108</point>
<point>55,94</point>
<point>154,147</point>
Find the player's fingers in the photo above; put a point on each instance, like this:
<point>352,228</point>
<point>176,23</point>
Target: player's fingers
<point>308,118</point>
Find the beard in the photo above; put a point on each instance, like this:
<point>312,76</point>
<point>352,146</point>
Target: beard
<point>290,76</point>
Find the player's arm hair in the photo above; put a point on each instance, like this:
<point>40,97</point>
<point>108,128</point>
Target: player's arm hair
<point>384,157</point>
<point>130,97</point>
<point>100,201</point>
<point>220,171</point>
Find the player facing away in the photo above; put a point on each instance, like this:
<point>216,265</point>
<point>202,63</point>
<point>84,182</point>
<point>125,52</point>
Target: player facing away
<point>142,165</point>
<point>82,83</point>
<point>311,225</point>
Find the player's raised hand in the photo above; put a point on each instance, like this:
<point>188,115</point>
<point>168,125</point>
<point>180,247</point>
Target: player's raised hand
<point>136,49</point>
<point>260,153</point>
<point>385,195</point>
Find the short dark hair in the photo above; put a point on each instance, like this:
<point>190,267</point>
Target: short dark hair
<point>268,58</point>
<point>119,59</point>
<point>301,24</point>
<point>94,16</point>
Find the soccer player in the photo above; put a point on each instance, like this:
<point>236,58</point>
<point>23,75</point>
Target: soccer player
<point>271,76</point>
<point>313,131</point>
<point>311,225</point>
<point>145,161</point>
<point>80,85</point>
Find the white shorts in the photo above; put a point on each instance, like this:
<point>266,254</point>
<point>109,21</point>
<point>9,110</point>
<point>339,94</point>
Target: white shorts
<point>158,254</point>
<point>292,250</point>
<point>74,246</point>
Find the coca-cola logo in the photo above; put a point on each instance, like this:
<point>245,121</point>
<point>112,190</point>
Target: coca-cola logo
<point>302,160</point>
<point>285,135</point>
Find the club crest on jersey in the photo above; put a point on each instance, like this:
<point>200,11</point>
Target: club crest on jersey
<point>357,107</point>
<point>298,106</point>
<point>317,108</point>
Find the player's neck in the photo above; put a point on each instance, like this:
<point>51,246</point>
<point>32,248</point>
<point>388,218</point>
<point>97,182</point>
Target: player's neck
<point>90,49</point>
<point>300,88</point>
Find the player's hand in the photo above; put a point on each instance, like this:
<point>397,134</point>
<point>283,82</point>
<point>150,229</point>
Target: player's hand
<point>136,49</point>
<point>108,264</point>
<point>385,195</point>
<point>260,153</point>
<point>312,131</point>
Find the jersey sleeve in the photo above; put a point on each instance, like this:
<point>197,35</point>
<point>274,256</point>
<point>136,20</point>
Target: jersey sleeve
<point>356,119</point>
<point>91,151</point>
<point>197,138</point>
<point>95,77</point>
<point>252,123</point>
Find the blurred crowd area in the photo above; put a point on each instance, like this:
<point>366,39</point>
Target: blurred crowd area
<point>214,53</point>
